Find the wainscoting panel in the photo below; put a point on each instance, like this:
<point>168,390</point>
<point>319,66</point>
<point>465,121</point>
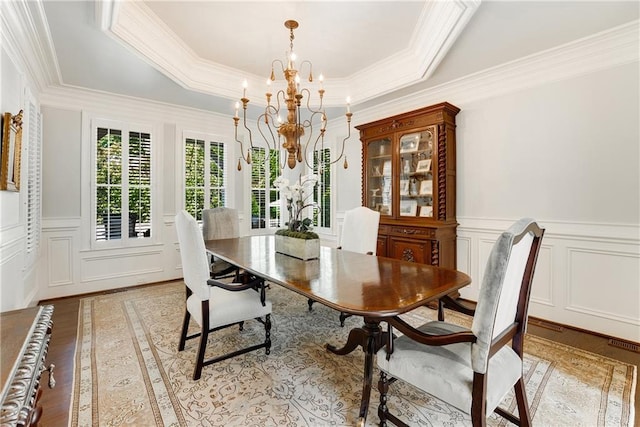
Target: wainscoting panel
<point>542,287</point>
<point>114,265</point>
<point>60,271</point>
<point>617,276</point>
<point>69,268</point>
<point>587,276</point>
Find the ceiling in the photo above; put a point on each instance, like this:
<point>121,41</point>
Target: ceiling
<point>197,53</point>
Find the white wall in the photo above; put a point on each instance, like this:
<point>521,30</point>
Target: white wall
<point>568,154</point>
<point>18,281</point>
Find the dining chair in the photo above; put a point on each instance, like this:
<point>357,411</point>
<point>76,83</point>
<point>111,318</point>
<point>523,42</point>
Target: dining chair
<point>212,304</point>
<point>474,369</point>
<point>359,234</point>
<point>221,223</point>
<point>360,231</point>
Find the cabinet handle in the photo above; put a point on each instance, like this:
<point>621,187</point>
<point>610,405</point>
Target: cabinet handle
<point>52,381</point>
<point>405,231</point>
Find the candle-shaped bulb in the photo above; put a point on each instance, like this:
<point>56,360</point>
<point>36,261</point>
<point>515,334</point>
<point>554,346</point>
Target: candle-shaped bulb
<point>321,78</point>
<point>244,88</point>
<point>237,108</point>
<point>268,82</point>
<point>348,104</point>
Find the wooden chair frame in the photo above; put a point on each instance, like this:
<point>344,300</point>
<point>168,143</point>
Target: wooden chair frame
<point>514,334</point>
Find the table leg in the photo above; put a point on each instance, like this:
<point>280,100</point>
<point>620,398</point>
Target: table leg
<point>371,338</point>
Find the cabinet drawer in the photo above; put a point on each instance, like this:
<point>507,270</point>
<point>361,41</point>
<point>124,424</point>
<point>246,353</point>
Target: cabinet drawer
<point>410,250</point>
<point>415,232</point>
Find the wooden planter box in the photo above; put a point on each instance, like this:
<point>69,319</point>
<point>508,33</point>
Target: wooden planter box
<point>303,249</point>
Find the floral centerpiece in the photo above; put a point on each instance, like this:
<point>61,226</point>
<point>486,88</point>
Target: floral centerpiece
<point>297,239</point>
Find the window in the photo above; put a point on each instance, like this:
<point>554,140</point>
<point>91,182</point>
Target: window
<point>322,190</point>
<point>34,182</point>
<point>122,183</point>
<point>204,176</point>
<point>265,198</point>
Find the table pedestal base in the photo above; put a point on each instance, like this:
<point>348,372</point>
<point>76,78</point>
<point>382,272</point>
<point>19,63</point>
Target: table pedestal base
<point>371,338</point>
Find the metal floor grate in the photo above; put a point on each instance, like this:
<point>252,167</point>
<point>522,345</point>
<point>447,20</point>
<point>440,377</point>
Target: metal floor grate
<point>625,345</point>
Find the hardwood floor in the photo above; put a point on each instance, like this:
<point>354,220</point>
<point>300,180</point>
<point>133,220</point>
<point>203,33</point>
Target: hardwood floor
<point>56,402</point>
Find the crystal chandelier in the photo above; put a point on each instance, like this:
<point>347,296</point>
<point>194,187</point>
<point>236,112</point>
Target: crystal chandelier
<point>297,131</point>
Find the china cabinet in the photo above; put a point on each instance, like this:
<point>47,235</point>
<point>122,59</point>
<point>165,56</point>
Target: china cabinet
<point>409,176</point>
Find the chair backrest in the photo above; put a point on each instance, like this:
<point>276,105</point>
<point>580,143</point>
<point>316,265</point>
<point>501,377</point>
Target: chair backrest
<point>195,264</point>
<point>506,287</point>
<point>220,223</point>
<point>360,230</point>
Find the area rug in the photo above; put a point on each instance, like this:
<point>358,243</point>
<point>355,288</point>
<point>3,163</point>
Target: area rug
<point>128,372</point>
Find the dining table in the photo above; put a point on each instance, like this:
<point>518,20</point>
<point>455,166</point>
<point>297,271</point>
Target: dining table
<point>372,287</point>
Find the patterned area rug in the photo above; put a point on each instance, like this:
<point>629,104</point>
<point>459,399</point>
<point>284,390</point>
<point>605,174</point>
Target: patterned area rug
<point>128,372</point>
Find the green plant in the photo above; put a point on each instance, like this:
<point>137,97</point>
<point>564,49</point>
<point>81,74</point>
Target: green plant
<point>306,235</point>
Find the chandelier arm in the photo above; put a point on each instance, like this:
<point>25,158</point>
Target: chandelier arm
<point>306,61</point>
<point>308,96</point>
<point>344,141</point>
<point>277,61</point>
<point>236,137</point>
<point>261,123</point>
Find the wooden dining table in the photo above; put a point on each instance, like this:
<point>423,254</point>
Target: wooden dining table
<point>372,287</point>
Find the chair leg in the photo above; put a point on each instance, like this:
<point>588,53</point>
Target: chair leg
<point>523,406</point>
<point>185,327</point>
<point>204,335</point>
<point>310,303</point>
<point>185,322</point>
<point>267,334</point>
<point>383,388</point>
<point>479,400</point>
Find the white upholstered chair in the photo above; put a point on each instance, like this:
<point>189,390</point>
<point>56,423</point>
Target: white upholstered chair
<point>221,223</point>
<point>214,305</point>
<point>472,370</point>
<point>360,230</point>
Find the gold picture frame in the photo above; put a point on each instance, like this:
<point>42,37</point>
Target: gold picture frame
<point>11,150</point>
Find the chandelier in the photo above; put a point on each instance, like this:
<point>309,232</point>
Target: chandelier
<point>304,126</point>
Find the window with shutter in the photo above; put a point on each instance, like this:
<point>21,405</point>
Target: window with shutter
<point>123,177</point>
<point>265,197</point>
<point>205,176</point>
<point>34,183</point>
<point>322,190</point>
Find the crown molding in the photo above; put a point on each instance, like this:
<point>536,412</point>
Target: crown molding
<point>608,49</point>
<point>28,40</point>
<point>439,26</point>
<point>440,23</point>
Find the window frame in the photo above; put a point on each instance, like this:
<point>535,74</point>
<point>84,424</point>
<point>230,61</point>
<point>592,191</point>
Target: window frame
<point>208,139</point>
<point>268,189</point>
<point>126,128</point>
<point>327,159</point>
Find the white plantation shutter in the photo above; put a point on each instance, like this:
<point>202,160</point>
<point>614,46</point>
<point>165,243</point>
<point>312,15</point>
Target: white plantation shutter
<point>205,175</point>
<point>322,190</point>
<point>122,184</point>
<point>34,183</point>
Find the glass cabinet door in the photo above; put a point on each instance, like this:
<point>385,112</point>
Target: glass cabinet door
<point>379,189</point>
<point>417,161</point>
